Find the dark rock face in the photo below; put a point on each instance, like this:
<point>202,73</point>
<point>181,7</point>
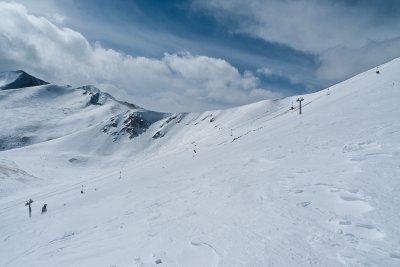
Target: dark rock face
<point>112,125</point>
<point>23,80</point>
<point>135,125</point>
<point>97,97</point>
<point>94,99</point>
<point>131,123</point>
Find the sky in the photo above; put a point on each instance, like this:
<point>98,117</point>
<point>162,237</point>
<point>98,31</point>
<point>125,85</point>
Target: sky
<point>196,55</point>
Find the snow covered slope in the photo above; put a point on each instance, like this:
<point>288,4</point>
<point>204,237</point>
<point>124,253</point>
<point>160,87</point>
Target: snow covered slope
<point>258,185</point>
<point>18,79</point>
<point>42,113</point>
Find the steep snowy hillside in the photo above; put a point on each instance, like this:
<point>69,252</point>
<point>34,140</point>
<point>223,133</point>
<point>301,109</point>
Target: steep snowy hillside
<point>258,185</point>
<point>42,113</point>
<point>18,79</point>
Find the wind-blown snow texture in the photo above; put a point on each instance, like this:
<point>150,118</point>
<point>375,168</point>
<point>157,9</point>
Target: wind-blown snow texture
<point>266,186</point>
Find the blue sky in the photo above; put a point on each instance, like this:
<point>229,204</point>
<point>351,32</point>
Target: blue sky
<point>261,49</point>
<point>176,25</point>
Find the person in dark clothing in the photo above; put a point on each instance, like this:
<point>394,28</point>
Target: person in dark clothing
<point>44,208</point>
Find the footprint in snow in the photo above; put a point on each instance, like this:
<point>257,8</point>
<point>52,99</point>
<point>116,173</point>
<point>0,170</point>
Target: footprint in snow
<point>364,150</point>
<point>138,263</point>
<point>350,197</point>
<point>303,204</point>
<point>345,222</point>
<point>395,255</point>
<point>202,254</point>
<point>296,191</point>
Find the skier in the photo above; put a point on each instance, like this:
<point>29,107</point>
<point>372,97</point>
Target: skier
<point>82,190</point>
<point>28,203</point>
<point>44,208</point>
<point>194,151</point>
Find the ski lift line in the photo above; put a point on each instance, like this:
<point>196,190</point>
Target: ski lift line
<point>100,178</point>
<point>50,194</point>
<point>40,196</point>
<point>237,126</point>
<point>261,127</point>
<point>56,192</point>
<point>286,111</point>
<point>71,187</point>
<point>269,119</point>
<point>227,131</point>
<point>262,115</point>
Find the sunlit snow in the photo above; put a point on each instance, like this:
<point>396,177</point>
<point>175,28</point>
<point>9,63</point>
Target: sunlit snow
<point>257,185</point>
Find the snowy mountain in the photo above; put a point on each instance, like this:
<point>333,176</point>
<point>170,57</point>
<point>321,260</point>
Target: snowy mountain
<point>42,113</point>
<point>257,185</point>
<point>18,79</point>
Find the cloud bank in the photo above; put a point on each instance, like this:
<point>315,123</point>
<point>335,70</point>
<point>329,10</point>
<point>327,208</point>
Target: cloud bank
<point>175,82</point>
<point>347,36</point>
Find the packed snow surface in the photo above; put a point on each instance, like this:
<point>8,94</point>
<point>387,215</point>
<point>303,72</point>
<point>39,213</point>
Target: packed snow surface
<point>257,185</point>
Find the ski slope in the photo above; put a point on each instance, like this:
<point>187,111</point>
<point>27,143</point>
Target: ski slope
<point>265,187</point>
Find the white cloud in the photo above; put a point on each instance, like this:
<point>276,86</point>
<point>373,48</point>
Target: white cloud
<point>266,71</point>
<point>342,61</point>
<point>337,33</point>
<point>174,82</point>
<point>294,77</point>
<point>50,9</point>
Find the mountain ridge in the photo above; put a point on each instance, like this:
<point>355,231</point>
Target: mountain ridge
<point>134,123</point>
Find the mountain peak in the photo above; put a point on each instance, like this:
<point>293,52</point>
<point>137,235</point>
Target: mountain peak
<point>18,79</point>
<point>99,97</point>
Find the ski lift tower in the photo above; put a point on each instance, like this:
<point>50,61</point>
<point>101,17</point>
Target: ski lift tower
<point>299,100</point>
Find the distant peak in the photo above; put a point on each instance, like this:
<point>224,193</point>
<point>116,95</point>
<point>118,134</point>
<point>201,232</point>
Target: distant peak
<point>91,88</point>
<point>18,79</point>
<point>99,97</point>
